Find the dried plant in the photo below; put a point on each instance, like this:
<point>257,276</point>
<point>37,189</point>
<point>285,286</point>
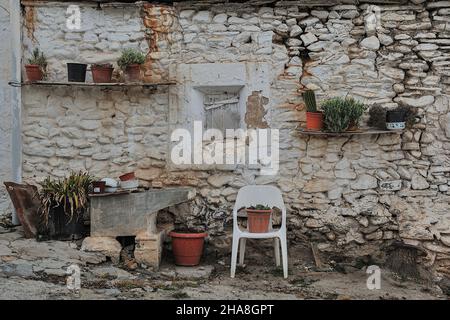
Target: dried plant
<point>377,117</point>
<point>71,192</point>
<point>409,114</point>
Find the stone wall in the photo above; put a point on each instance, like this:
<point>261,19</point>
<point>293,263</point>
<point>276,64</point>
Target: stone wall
<point>352,196</point>
<point>5,107</point>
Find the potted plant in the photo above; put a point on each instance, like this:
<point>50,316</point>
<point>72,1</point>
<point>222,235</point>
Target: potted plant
<point>341,114</point>
<point>400,118</point>
<point>356,110</point>
<point>377,117</point>
<point>258,218</point>
<point>130,61</point>
<point>98,186</point>
<point>187,246</point>
<point>63,203</point>
<point>37,66</point>
<point>76,72</point>
<point>102,73</point>
<point>314,118</point>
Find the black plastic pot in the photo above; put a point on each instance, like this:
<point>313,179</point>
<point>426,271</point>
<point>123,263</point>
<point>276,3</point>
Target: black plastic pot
<point>395,120</point>
<point>76,72</point>
<point>62,227</point>
<point>395,116</point>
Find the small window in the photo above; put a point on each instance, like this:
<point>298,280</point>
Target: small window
<point>222,111</point>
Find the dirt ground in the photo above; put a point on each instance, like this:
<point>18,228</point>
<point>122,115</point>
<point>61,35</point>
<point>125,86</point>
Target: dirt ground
<point>37,270</point>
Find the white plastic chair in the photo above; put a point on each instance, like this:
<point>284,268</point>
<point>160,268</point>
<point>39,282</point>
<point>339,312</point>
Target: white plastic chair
<point>253,195</point>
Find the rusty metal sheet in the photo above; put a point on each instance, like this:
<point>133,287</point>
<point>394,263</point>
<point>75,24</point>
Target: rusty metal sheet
<point>26,203</point>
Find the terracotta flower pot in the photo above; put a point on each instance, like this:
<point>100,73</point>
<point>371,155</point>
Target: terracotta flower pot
<point>34,72</point>
<point>352,126</point>
<point>101,73</point>
<point>314,121</point>
<point>187,247</point>
<point>258,220</point>
<point>133,73</point>
<point>127,176</point>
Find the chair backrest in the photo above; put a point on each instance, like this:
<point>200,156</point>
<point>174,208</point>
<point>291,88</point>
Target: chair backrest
<point>253,194</point>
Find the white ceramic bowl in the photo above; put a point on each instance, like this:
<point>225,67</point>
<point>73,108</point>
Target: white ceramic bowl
<point>110,182</point>
<point>130,184</point>
<point>110,190</point>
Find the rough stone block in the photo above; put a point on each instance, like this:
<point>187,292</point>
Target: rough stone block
<point>108,246</point>
<point>148,249</point>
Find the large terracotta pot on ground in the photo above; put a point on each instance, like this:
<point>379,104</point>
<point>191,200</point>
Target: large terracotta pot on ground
<point>133,73</point>
<point>187,247</point>
<point>314,121</point>
<point>258,220</point>
<point>34,72</point>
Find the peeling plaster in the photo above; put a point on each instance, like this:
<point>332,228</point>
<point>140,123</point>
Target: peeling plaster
<point>254,117</point>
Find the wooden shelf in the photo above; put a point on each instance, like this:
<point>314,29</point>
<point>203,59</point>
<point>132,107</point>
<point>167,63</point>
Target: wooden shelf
<point>348,133</point>
<point>92,84</point>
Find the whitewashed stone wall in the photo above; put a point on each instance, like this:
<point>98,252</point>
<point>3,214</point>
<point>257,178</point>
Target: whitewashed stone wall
<point>351,195</point>
<point>102,36</point>
<point>5,107</point>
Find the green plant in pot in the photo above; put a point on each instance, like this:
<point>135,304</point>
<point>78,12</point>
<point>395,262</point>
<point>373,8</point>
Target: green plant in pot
<point>314,118</point>
<point>356,110</point>
<point>130,61</point>
<point>36,68</point>
<point>63,203</point>
<point>258,218</point>
<point>341,114</point>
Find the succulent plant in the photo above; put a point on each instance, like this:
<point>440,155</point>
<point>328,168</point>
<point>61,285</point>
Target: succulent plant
<point>259,207</point>
<point>130,56</point>
<point>310,100</point>
<point>38,58</point>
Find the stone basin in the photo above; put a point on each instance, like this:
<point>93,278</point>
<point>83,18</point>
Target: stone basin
<point>128,214</point>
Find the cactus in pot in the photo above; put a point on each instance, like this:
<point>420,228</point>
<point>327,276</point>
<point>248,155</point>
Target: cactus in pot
<point>314,118</point>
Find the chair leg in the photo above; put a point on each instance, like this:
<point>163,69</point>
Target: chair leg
<point>284,254</point>
<point>242,250</point>
<point>276,245</point>
<point>234,251</point>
